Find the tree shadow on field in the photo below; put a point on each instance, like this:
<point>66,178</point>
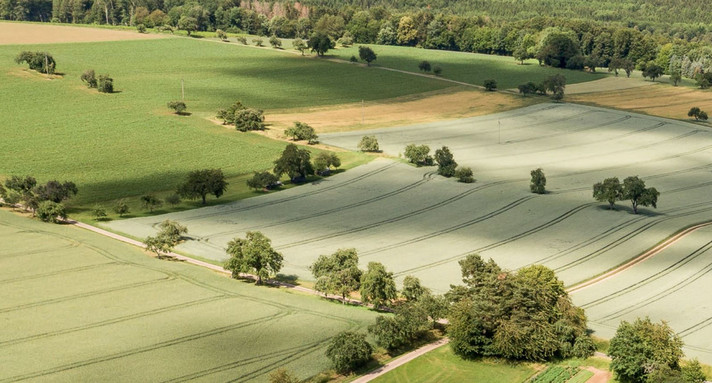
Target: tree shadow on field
<point>292,279</point>
<point>625,209</point>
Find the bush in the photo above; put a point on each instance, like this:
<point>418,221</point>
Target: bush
<point>368,144</point>
<point>324,161</point>
<point>150,202</point>
<point>228,115</point>
<point>49,211</point>
<point>348,351</point>
<point>249,119</point>
<point>538,181</point>
<point>141,28</point>
<point>121,208</point>
<point>275,42</point>
<point>418,155</point>
<point>302,131</point>
<point>409,324</point>
<point>281,375</point>
<point>106,84</point>
<point>353,59</point>
<point>99,212</point>
<point>258,41</point>
<point>89,77</point>
<point>465,175</point>
<point>446,162</point>
<point>242,39</point>
<point>528,88</point>
<point>42,62</point>
<point>221,34</point>
<point>424,66</point>
<point>437,70</point>
<point>490,84</point>
<point>263,180</point>
<point>178,106</point>
<point>173,199</point>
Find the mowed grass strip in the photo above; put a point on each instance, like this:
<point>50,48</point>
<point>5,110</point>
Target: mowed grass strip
<point>443,366</point>
<point>128,143</point>
<point>472,68</point>
<point>148,320</point>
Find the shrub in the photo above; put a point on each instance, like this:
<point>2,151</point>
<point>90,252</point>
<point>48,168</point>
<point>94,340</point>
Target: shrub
<point>150,202</point>
<point>89,77</point>
<point>49,211</point>
<point>538,181</point>
<point>178,106</point>
<point>42,62</point>
<point>249,119</point>
<point>99,212</point>
<point>348,351</point>
<point>446,162</point>
<point>228,115</point>
<point>302,131</point>
<point>221,34</point>
<point>121,208</point>
<point>490,84</point>
<point>173,199</point>
<point>368,144</point>
<point>353,59</point>
<point>424,66</point>
<point>528,88</point>
<point>105,84</point>
<point>242,39</point>
<point>325,160</point>
<point>258,41</point>
<point>262,180</point>
<point>281,375</point>
<point>418,155</point>
<point>141,28</point>
<point>464,174</point>
<point>437,70</point>
<point>275,42</point>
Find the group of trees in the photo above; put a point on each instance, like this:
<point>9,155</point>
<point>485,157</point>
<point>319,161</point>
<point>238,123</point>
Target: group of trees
<point>697,113</point>
<point>297,164</point>
<point>555,84</point>
<point>244,118</point>
<point>633,188</point>
<point>104,83</point>
<point>43,200</point>
<point>447,166</point>
<point>302,132</point>
<point>42,62</point>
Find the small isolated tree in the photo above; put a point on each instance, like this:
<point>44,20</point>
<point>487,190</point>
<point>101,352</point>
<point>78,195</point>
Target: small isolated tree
<point>249,119</point>
<point>188,24</point>
<point>353,59</point>
<point>258,41</point>
<point>337,273</point>
<point>418,155</point>
<point>295,162</point>
<point>368,144</point>
<point>610,190</point>
<point>89,78</point>
<point>528,88</point>
<point>377,285</point>
<point>42,62</point>
<point>324,161</point>
<point>634,190</point>
<point>141,28</point>
<point>704,80</point>
<point>675,77</point>
<point>105,84</point>
<point>172,231</point>
<point>424,66</point>
<point>300,45</point>
<point>703,116</point>
<point>348,351</point>
<point>697,114</point>
<point>50,211</point>
<point>121,208</point>
<point>262,181</point>
<point>254,254</point>
<point>178,106</point>
<point>490,84</point>
<point>641,347</point>
<point>200,183</point>
<point>275,42</point>
<point>320,43</point>
<point>437,70</point>
<point>281,375</point>
<point>98,212</point>
<point>538,181</point>
<point>55,191</point>
<point>302,131</point>
<point>652,70</point>
<point>446,162</point>
<point>555,84</point>
<point>242,39</point>
<point>219,33</point>
<point>367,54</point>
<point>465,175</point>
<point>150,202</point>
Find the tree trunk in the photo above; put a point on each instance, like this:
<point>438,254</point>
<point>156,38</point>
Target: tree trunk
<point>635,207</point>
<point>204,195</point>
<point>259,280</point>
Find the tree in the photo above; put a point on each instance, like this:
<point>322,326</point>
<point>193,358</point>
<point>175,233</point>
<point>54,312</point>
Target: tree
<point>490,84</point>
<point>634,190</point>
<point>281,375</point>
<point>242,39</point>
<point>55,191</point>
<point>249,119</point>
<point>703,116</point>
<point>424,66</point>
<point>704,80</point>
<point>105,84</point>
<point>89,77</point>
<point>640,347</point>
<point>254,254</point>
<point>200,183</point>
<point>262,181</point>
<point>169,235</point>
<point>409,324</point>
<point>528,88</point>
<point>368,144</point>
<point>697,114</point>
<point>538,181</point>
<point>275,42</point>
<point>412,289</point>
<point>465,175</point>
<point>188,24</point>
<point>98,212</point>
<point>610,190</point>
<point>692,372</point>
<point>437,70</point>
<point>150,202</point>
<point>121,208</point>
<point>418,154</point>
<point>325,160</point>
<point>377,285</point>
<point>556,85</point>
<point>558,48</point>
<point>228,115</point>
<point>50,211</point>
<point>219,33</point>
<point>42,62</point>
<point>675,77</point>
<point>173,199</point>
<point>294,162</point>
<point>302,131</point>
<point>652,70</point>
<point>337,273</point>
<point>320,43</point>
<point>348,351</point>
<point>141,28</point>
<point>367,54</point>
<point>178,106</point>
<point>446,162</point>
<point>300,45</point>
<point>258,41</point>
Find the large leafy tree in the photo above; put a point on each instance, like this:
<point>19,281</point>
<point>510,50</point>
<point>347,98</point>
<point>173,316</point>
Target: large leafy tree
<point>55,191</point>
<point>418,154</point>
<point>348,351</point>
<point>254,254</point>
<point>610,190</point>
<point>337,273</point>
<point>320,43</point>
<point>446,162</point>
<point>634,190</point>
<point>367,54</point>
<point>409,324</point>
<point>294,162</point>
<point>538,181</point>
<point>169,235</point>
<point>200,183</point>
<point>377,285</point>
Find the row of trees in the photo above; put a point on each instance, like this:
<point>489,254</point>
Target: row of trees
<point>633,189</point>
<point>43,200</point>
<point>447,166</point>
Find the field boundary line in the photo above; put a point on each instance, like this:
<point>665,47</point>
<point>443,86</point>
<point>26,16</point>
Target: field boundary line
<point>642,257</point>
<point>401,361</point>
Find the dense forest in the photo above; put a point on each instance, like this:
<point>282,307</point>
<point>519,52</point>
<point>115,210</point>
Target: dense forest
<point>674,35</point>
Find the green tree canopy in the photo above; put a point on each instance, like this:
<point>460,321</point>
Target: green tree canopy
<point>538,181</point>
<point>337,273</point>
<point>377,285</point>
<point>254,254</point>
<point>367,54</point>
<point>610,190</point>
<point>446,162</point>
<point>634,190</point>
<point>348,351</point>
<point>200,183</point>
<point>320,43</point>
<point>294,162</point>
<point>368,144</point>
<point>418,154</point>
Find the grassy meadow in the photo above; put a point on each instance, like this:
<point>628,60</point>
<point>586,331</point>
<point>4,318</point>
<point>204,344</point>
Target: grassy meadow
<point>81,307</point>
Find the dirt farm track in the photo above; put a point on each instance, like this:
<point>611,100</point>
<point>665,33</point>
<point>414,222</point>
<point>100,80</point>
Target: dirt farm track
<point>418,223</point>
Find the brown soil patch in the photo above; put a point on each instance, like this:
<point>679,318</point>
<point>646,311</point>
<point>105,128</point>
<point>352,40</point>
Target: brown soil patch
<point>659,100</point>
<point>26,33</point>
<point>599,376</point>
<point>456,102</point>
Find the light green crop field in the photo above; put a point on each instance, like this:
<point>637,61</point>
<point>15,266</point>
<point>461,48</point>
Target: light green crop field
<point>443,366</point>
<point>76,306</point>
<point>472,68</point>
<point>128,143</point>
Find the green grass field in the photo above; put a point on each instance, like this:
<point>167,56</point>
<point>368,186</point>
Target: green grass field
<point>442,366</point>
<point>80,307</point>
<point>471,68</point>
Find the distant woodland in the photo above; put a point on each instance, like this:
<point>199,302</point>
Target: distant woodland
<point>674,35</point>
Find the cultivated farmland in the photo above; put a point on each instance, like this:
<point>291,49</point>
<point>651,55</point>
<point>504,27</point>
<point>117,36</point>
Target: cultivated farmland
<point>76,306</point>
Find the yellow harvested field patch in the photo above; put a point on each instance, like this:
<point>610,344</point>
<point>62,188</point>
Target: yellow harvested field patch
<point>457,102</point>
<point>659,100</point>
<point>20,33</point>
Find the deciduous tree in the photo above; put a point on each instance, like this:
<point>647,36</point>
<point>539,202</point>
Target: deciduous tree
<point>262,181</point>
<point>150,202</point>
<point>634,190</point>
<point>302,131</point>
<point>538,181</point>
<point>418,155</point>
<point>254,254</point>
<point>377,285</point>
<point>367,54</point>
<point>368,144</point>
<point>200,183</point>
<point>446,162</point>
<point>320,43</point>
<point>50,211</point>
<point>294,162</point>
<point>610,190</point>
<point>349,351</point>
<point>337,273</point>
